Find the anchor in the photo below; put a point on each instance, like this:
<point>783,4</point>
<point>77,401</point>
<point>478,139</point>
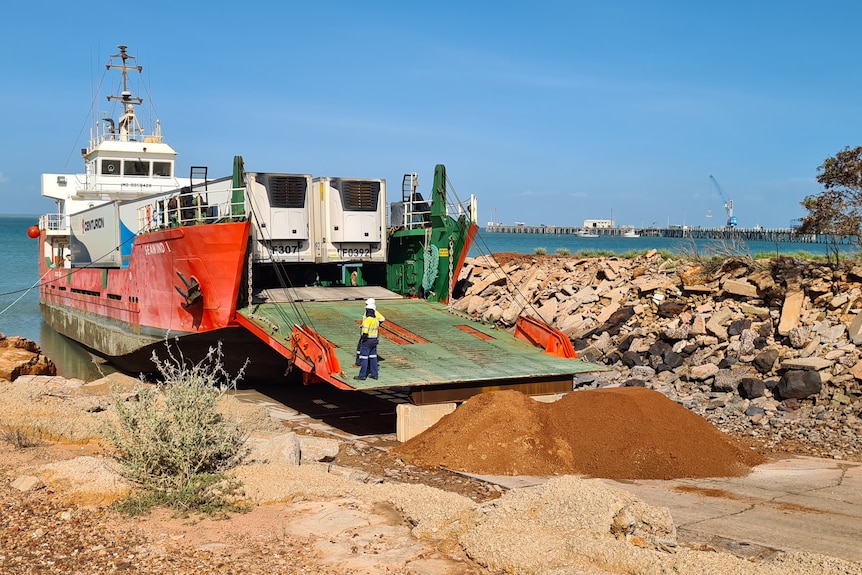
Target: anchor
<point>192,294</point>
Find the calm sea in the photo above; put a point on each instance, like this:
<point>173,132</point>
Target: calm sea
<point>529,243</point>
<point>19,301</point>
<point>19,298</point>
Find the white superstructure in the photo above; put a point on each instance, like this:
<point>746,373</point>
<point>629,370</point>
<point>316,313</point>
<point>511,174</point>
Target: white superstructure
<point>122,160</point>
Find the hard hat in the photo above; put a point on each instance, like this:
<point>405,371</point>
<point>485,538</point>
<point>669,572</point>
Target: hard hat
<point>370,303</point>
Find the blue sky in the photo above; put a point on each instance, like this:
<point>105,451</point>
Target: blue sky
<point>549,112</point>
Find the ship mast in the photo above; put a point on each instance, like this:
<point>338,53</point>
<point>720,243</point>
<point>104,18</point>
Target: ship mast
<point>127,120</point>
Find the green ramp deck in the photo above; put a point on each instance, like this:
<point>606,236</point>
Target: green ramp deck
<point>423,345</point>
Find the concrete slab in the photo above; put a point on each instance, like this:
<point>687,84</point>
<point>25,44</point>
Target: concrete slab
<point>794,504</point>
<point>797,504</point>
<point>411,420</point>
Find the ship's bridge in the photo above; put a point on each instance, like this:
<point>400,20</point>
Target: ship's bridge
<point>127,169</point>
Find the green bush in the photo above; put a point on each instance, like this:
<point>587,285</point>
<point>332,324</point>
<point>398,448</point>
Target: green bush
<point>209,494</point>
<point>597,254</point>
<point>563,252</point>
<point>798,255</point>
<point>171,440</point>
<point>540,251</point>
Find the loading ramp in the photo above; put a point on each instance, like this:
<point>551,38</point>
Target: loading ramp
<point>440,355</point>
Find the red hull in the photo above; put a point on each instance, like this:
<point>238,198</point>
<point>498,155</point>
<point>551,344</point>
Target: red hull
<point>115,311</point>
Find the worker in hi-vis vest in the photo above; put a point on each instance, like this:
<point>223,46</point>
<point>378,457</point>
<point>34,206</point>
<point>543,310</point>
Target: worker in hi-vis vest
<point>368,341</point>
<point>369,303</point>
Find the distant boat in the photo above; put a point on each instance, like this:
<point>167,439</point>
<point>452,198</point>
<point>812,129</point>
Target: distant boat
<point>587,234</point>
<point>630,233</point>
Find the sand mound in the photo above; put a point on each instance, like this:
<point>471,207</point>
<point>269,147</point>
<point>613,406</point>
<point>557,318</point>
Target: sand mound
<point>617,433</point>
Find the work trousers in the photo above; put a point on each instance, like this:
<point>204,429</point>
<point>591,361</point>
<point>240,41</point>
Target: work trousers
<point>368,358</point>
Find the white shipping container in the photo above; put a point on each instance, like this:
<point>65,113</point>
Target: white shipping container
<point>283,212</point>
<point>349,220</point>
<point>95,237</point>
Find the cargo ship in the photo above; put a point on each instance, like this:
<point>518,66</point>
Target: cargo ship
<point>275,267</point>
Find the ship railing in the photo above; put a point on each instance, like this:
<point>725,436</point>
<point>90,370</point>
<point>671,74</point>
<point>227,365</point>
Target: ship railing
<point>54,223</point>
<point>416,212</point>
<point>410,214</point>
<point>187,209</point>
<point>469,207</point>
<point>137,135</point>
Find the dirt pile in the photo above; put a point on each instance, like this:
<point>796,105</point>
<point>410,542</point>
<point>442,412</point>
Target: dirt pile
<point>767,350</point>
<point>614,433</point>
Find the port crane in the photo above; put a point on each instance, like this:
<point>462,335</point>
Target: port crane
<point>728,204</point>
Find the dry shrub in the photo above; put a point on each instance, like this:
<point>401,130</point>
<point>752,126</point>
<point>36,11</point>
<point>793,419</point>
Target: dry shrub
<point>171,439</point>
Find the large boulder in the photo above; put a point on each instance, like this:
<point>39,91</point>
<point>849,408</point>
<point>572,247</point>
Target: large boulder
<point>751,388</point>
<point>20,356</point>
<point>765,360</point>
<point>799,384</point>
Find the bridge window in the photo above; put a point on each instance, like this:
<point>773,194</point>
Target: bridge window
<point>162,169</point>
<point>111,167</point>
<point>136,168</point>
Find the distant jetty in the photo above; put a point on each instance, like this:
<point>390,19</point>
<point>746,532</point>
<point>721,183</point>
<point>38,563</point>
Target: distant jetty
<point>757,234</point>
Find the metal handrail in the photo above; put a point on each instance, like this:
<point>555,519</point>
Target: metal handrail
<point>54,222</point>
<point>169,212</point>
<point>415,214</point>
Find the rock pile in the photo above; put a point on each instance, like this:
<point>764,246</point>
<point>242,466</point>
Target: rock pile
<point>766,350</point>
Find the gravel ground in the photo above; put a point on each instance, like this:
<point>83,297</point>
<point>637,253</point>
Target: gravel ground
<point>327,524</point>
<point>41,533</point>
<point>48,530</point>
<point>369,513</point>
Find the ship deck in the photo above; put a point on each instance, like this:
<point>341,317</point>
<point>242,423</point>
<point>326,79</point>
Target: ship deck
<point>423,346</point>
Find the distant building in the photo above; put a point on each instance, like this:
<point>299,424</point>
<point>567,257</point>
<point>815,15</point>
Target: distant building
<point>598,223</point>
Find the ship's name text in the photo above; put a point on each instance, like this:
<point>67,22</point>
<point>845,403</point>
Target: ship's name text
<point>155,248</point>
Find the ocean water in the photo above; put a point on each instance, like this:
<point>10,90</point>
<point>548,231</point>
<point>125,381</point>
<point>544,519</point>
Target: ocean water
<point>19,301</point>
<point>19,295</point>
<point>19,298</point>
<point>528,243</point>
